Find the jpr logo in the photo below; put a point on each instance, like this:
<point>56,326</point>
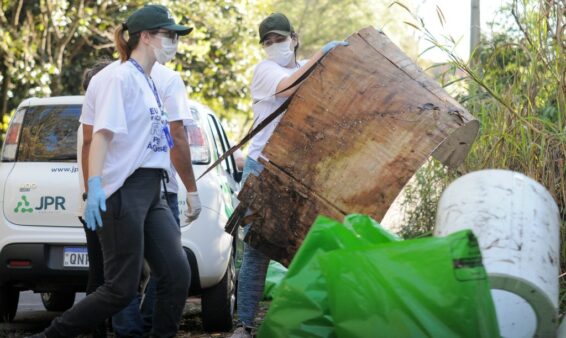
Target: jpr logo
<point>45,203</point>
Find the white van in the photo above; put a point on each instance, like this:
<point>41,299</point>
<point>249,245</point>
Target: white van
<point>42,242</point>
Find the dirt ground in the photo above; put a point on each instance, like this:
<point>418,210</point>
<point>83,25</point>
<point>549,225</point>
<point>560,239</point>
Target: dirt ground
<point>191,323</point>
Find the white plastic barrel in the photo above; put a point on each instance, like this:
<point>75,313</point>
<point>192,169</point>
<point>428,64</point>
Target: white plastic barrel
<point>517,223</point>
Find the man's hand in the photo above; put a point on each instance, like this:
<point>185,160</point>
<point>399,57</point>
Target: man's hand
<point>193,206</point>
<point>96,201</point>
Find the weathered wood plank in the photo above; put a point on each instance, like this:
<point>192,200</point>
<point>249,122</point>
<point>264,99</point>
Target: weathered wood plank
<point>276,200</point>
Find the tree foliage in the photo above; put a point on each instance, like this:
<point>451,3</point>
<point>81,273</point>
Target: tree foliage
<point>320,21</point>
<point>218,61</point>
<point>47,45</point>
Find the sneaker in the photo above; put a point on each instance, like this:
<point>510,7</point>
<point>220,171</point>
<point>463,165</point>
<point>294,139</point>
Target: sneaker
<point>242,332</point>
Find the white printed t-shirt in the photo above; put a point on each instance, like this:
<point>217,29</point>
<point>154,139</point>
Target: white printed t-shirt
<point>267,75</point>
<point>171,91</point>
<point>125,105</point>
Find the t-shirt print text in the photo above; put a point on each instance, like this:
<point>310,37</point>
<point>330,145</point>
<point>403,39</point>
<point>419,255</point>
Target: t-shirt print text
<point>156,132</point>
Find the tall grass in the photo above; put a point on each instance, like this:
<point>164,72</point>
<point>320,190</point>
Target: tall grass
<point>515,85</point>
<point>420,199</point>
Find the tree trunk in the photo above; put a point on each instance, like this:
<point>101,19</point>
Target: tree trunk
<point>6,81</point>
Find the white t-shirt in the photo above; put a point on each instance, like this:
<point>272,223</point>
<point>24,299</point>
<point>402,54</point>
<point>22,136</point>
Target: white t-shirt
<point>125,105</point>
<point>167,81</point>
<point>172,93</point>
<point>267,75</point>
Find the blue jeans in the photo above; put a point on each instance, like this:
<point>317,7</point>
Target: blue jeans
<point>251,278</point>
<point>128,322</point>
<point>135,321</point>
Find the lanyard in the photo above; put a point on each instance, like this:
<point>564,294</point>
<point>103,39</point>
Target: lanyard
<point>151,85</point>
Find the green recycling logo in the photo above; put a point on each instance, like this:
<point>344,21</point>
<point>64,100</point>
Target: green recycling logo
<point>24,202</point>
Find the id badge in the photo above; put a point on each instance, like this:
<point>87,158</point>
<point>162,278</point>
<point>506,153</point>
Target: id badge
<point>166,132</point>
<point>168,135</point>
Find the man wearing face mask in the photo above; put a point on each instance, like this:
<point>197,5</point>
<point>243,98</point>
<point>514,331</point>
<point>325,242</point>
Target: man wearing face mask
<point>271,79</point>
<point>171,89</point>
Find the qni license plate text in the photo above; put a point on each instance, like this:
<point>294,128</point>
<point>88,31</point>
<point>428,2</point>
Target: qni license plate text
<point>75,257</point>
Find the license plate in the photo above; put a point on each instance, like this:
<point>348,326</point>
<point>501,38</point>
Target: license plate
<point>76,257</point>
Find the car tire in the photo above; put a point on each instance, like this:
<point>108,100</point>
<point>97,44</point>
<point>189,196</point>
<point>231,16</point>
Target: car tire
<point>58,300</point>
<point>219,301</point>
<point>9,298</point>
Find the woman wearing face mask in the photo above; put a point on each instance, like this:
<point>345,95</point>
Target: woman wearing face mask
<point>128,155</point>
<point>134,321</point>
<point>271,76</point>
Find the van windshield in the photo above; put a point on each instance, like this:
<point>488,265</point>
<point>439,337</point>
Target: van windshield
<point>49,133</point>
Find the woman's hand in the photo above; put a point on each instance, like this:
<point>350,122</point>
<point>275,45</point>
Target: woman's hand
<point>333,44</point>
<point>96,201</point>
<point>193,207</point>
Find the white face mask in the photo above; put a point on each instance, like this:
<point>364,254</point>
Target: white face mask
<point>280,52</point>
<point>167,50</point>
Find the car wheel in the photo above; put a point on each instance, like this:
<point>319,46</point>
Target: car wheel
<point>9,298</point>
<point>58,300</point>
<point>218,303</point>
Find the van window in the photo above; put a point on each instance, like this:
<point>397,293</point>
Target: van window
<point>220,148</point>
<point>222,144</point>
<point>49,133</point>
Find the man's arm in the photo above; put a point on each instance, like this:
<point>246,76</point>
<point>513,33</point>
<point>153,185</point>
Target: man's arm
<point>181,155</point>
<point>100,141</point>
<point>87,139</point>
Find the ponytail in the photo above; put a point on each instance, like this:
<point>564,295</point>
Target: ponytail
<point>124,47</point>
<point>121,43</point>
<point>294,35</point>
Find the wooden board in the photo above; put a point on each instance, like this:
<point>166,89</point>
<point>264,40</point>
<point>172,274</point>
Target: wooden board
<point>354,133</point>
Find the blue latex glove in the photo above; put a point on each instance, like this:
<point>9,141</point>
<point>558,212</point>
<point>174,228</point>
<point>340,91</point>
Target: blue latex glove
<point>333,44</point>
<point>95,201</point>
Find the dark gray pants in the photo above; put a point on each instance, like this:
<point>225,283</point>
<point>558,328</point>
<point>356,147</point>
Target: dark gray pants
<point>137,222</point>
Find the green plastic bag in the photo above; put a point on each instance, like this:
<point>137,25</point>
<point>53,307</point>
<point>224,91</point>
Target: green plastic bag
<point>300,308</point>
<point>357,280</point>
<point>275,274</point>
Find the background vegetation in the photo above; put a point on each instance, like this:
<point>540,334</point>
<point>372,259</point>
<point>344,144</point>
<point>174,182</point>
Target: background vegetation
<point>47,44</point>
<point>515,85</point>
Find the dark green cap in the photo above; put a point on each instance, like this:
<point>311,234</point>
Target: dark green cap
<point>275,23</point>
<point>152,17</point>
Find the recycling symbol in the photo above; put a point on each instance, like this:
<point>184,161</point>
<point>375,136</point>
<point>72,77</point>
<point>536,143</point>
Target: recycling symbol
<point>22,205</point>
